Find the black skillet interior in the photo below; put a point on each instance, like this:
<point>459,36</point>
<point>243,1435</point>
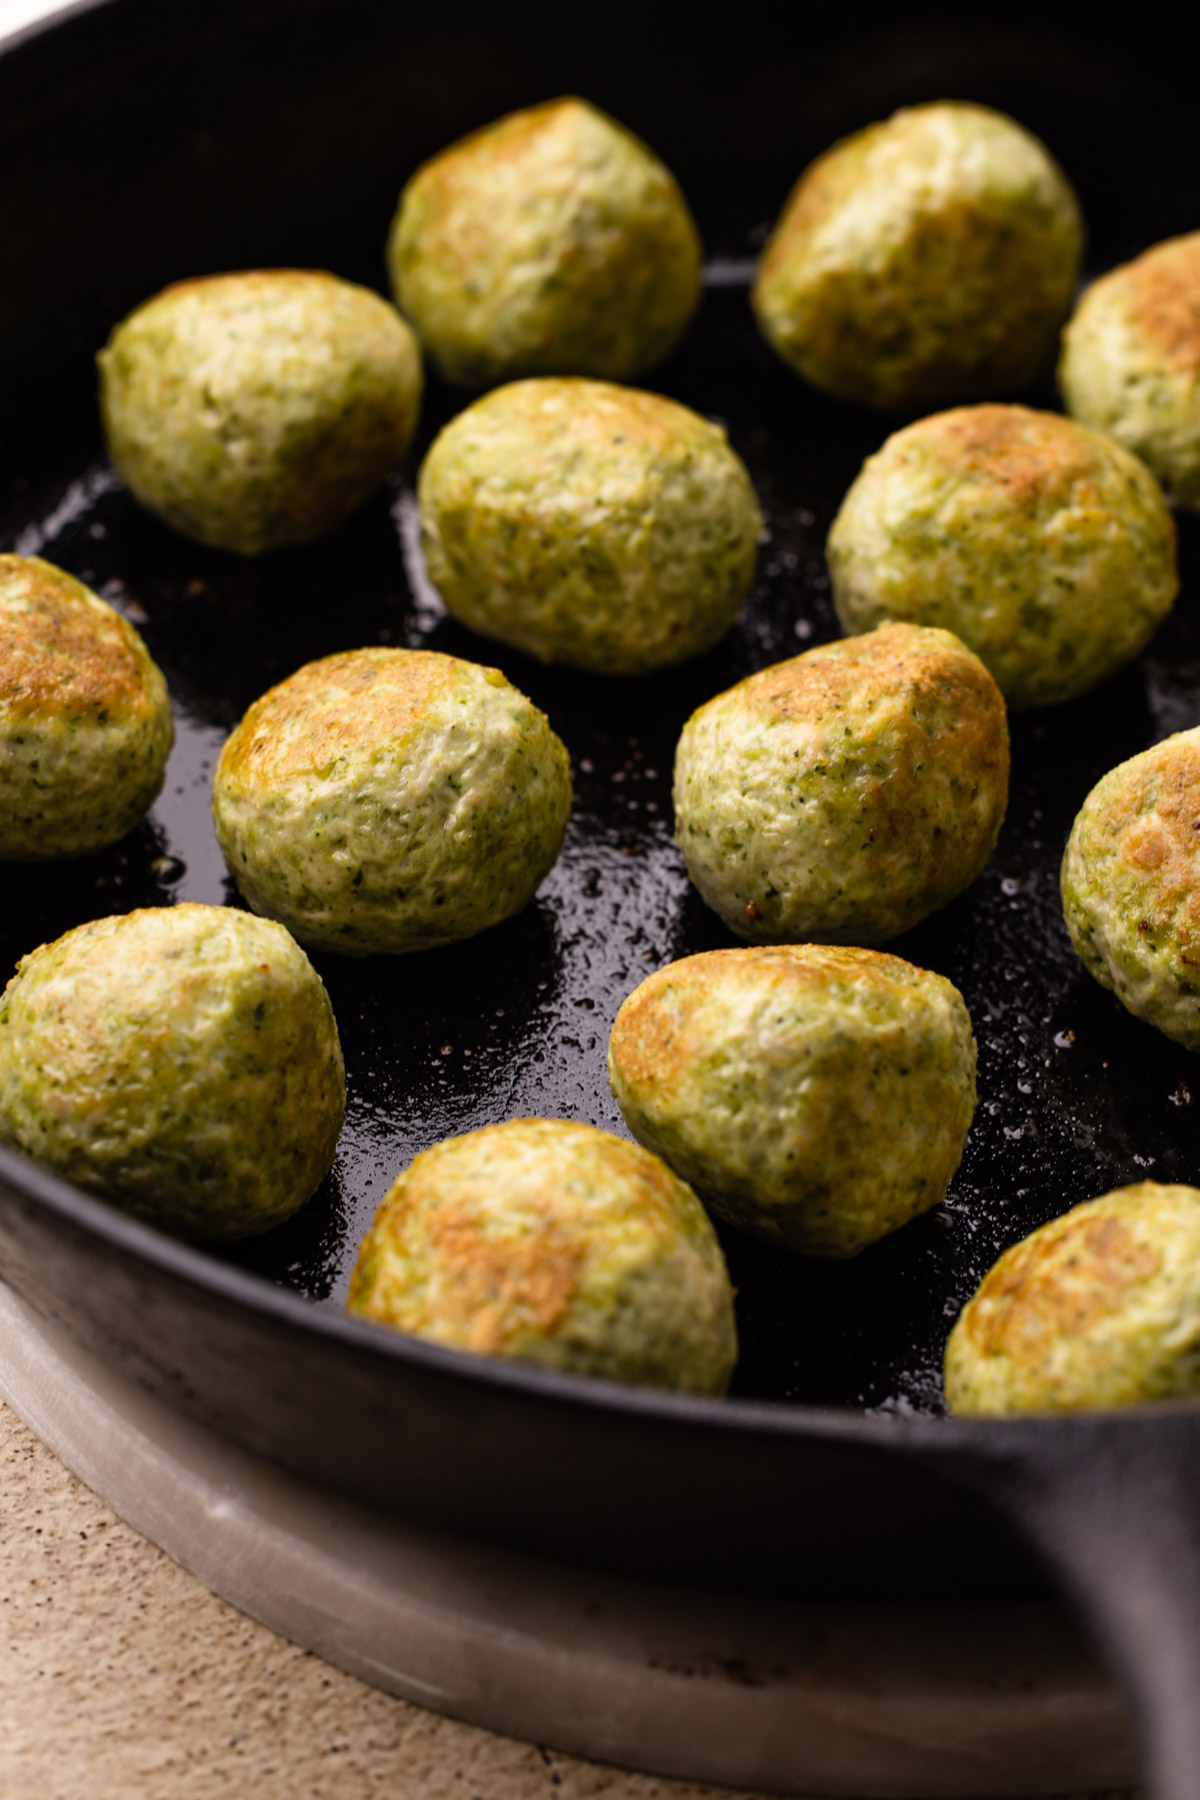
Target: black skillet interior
<point>188,156</point>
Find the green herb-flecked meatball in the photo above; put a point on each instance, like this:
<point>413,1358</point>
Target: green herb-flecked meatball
<point>182,1062</point>
<point>257,410</point>
<point>817,1096</point>
<point>1098,1308</point>
<point>843,795</point>
<point>1131,885</point>
<point>1046,547</point>
<point>1130,362</point>
<point>589,524</point>
<point>927,259</point>
<point>550,243</point>
<point>85,722</point>
<point>557,1244</point>
<point>391,800</point>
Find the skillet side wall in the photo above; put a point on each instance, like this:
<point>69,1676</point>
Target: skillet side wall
<point>650,1485</point>
<point>141,143</point>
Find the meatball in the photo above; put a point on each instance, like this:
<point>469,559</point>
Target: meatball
<point>1098,1308</point>
<point>1131,885</point>
<point>391,800</point>
<point>816,1096</point>
<point>549,243</point>
<point>258,410</point>
<point>182,1062</point>
<point>843,795</point>
<point>1047,548</point>
<point>927,259</point>
<point>1131,361</point>
<point>556,1244</point>
<point>85,722</point>
<point>589,524</point>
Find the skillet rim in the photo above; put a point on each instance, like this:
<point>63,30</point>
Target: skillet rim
<point>256,1294</point>
<point>50,22</point>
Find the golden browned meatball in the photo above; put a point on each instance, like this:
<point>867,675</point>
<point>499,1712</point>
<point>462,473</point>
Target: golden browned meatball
<point>391,800</point>
<point>927,259</point>
<point>1131,361</point>
<point>256,410</point>
<point>589,524</point>
<point>1131,885</point>
<point>180,1061</point>
<point>1046,547</point>
<point>556,1244</point>
<point>843,795</point>
<point>85,721</point>
<point>818,1096</point>
<point>549,243</point>
<point>1098,1308</point>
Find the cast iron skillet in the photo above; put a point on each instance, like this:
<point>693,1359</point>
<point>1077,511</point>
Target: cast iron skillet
<point>141,143</point>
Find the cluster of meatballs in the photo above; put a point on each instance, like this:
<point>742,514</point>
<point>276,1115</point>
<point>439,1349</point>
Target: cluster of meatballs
<point>184,1062</point>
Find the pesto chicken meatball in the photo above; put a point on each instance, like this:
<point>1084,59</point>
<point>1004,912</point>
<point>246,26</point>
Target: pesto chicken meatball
<point>556,1244</point>
<point>589,524</point>
<point>1047,548</point>
<point>257,410</point>
<point>1099,1308</point>
<point>1131,885</point>
<point>816,1096</point>
<point>85,722</point>
<point>182,1062</point>
<point>1131,362</point>
<point>927,259</point>
<point>841,796</point>
<point>550,243</point>
<point>391,800</point>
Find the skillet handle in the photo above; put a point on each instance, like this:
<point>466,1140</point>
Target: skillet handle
<point>1113,1508</point>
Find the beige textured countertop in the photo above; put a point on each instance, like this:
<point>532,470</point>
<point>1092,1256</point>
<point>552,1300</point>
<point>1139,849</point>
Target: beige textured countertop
<point>121,1678</point>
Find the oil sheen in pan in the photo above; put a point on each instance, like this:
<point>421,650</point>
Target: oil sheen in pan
<point>1075,1097</point>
